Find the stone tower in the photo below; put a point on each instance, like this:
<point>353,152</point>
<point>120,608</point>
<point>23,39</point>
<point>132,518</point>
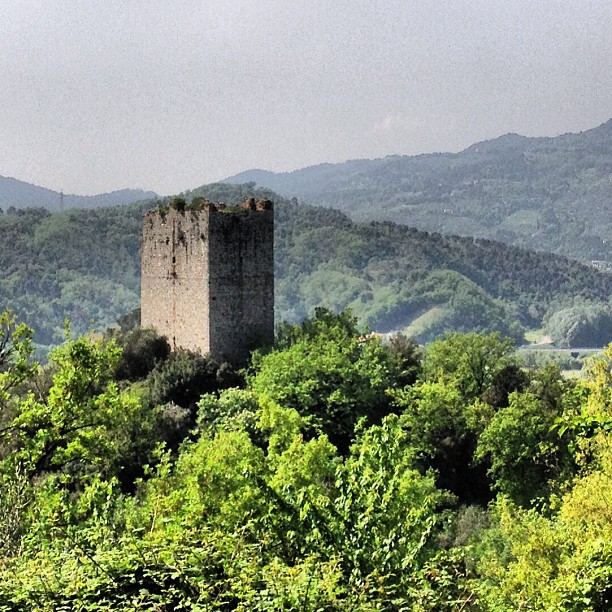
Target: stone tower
<point>207,279</point>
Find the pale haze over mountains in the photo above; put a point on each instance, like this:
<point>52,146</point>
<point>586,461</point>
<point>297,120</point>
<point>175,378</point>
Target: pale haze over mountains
<point>102,95</point>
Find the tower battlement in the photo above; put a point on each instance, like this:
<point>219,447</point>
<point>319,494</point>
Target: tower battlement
<point>207,279</point>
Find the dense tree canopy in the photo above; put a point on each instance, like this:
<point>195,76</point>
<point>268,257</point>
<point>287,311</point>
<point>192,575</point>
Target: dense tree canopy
<point>253,506</point>
<point>331,373</point>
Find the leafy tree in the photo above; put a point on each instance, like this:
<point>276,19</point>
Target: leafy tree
<point>127,322</point>
<point>386,510</point>
<point>581,325</point>
<point>441,411</point>
<point>589,423</point>
<point>183,379</point>
<point>17,493</point>
<point>253,507</point>
<point>84,426</point>
<point>553,562</point>
<point>178,203</point>
<point>174,388</point>
<point>526,456</point>
<point>329,373</point>
<point>55,433</point>
<point>506,380</point>
<point>360,530</point>
<point>410,357</point>
<point>142,350</point>
<point>472,362</point>
<point>436,421</point>
<point>16,351</point>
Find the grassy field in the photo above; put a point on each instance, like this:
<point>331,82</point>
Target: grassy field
<point>424,321</point>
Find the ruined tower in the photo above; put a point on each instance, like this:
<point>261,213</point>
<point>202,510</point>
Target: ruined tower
<point>208,277</point>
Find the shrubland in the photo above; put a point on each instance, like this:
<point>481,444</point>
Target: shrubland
<point>337,472</point>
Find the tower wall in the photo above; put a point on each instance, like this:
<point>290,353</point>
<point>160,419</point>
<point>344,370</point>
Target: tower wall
<point>241,282</point>
<point>208,278</point>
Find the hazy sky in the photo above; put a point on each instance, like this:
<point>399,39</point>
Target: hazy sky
<point>167,95</point>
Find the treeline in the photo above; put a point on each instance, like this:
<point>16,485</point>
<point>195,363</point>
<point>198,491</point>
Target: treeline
<point>337,473</point>
<point>84,266</point>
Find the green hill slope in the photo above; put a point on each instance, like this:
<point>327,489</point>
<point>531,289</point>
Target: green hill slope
<point>552,194</point>
<point>83,265</point>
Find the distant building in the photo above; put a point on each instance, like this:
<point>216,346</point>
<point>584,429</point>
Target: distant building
<point>208,277</point>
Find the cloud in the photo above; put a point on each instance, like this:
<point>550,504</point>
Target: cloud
<point>386,125</point>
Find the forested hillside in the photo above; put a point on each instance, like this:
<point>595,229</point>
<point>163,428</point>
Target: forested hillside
<point>342,473</point>
<point>83,266</point>
<point>18,194</point>
<point>552,194</point>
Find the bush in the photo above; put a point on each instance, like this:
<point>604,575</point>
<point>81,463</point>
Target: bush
<point>143,349</point>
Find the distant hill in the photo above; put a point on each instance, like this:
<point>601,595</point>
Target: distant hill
<point>84,266</point>
<point>17,194</point>
<point>552,194</point>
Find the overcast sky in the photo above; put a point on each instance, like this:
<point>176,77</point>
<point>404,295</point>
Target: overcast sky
<point>167,95</point>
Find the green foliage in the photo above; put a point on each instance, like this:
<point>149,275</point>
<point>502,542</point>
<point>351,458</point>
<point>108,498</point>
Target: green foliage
<point>589,423</point>
<point>433,414</point>
<point>16,350</point>
<point>465,378</point>
<point>255,507</point>
<point>233,527</point>
<point>386,508</point>
<point>84,265</point>
<point>581,325</point>
<point>80,265</point>
<point>183,379</point>
<point>84,425</point>
<point>471,362</point>
<point>360,529</point>
<point>71,430</point>
<point>231,410</point>
<point>558,563</point>
<point>16,497</point>
<point>174,387</point>
<point>408,353</point>
<point>142,350</point>
<point>324,323</point>
<point>525,455</point>
<point>329,373</point>
<point>435,419</point>
<point>178,203</point>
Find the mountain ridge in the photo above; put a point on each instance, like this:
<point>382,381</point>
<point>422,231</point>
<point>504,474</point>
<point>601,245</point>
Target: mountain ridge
<point>542,193</point>
<point>20,194</point>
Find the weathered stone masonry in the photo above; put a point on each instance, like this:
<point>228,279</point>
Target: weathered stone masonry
<point>208,278</point>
